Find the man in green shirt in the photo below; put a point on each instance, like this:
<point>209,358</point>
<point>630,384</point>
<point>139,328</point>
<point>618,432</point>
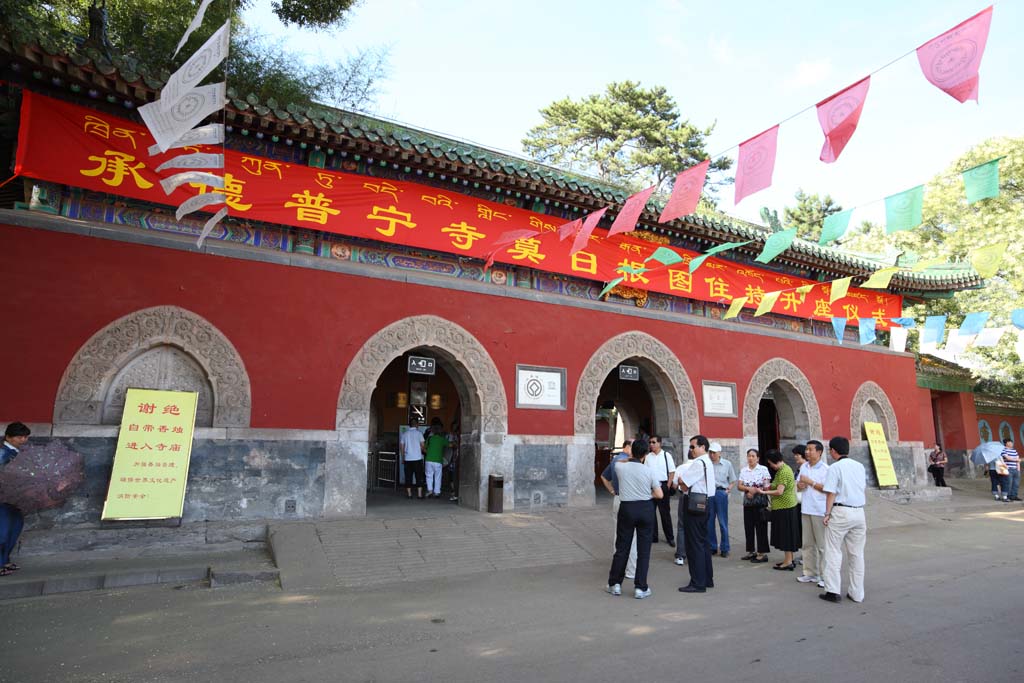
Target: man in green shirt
<point>436,443</point>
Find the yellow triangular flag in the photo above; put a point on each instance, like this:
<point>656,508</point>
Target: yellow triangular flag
<point>986,260</point>
<point>839,289</point>
<point>918,267</point>
<point>804,289</point>
<point>735,307</point>
<point>767,303</point>
<point>880,278</point>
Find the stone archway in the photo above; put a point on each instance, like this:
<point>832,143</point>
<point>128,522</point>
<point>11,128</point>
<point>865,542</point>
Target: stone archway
<point>672,398</point>
<point>87,378</point>
<point>871,404</point>
<point>481,392</point>
<point>798,406</point>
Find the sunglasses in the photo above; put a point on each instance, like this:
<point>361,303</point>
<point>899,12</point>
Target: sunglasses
<point>692,447</point>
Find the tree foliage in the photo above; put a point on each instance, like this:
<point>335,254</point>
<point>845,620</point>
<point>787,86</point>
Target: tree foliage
<point>146,32</point>
<point>628,136</point>
<point>810,213</point>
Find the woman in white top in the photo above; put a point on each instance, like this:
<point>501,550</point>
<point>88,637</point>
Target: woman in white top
<point>755,521</point>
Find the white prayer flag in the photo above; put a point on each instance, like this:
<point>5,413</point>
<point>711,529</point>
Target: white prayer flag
<point>210,134</point>
<point>208,227</point>
<point>167,127</point>
<point>193,161</point>
<point>957,343</point>
<point>989,336</point>
<point>196,22</point>
<point>199,65</point>
<point>208,179</point>
<point>898,339</point>
<point>195,203</point>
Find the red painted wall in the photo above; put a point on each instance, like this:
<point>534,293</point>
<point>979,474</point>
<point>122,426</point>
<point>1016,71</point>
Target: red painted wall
<point>958,419</point>
<point>995,420</point>
<point>297,329</point>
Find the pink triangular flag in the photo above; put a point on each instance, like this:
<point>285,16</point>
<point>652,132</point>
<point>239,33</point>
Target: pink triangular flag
<point>506,238</point>
<point>756,163</point>
<point>685,192</point>
<point>589,224</point>
<point>839,115</point>
<point>570,228</point>
<point>631,210</point>
<point>950,62</point>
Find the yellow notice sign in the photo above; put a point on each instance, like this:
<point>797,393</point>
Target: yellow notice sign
<point>152,456</point>
<point>880,454</point>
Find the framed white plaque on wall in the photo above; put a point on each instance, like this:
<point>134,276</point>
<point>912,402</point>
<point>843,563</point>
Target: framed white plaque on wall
<point>540,387</point>
<point>719,399</point>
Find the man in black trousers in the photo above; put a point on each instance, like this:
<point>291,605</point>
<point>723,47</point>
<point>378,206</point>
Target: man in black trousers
<point>697,478</point>
<point>662,465</point>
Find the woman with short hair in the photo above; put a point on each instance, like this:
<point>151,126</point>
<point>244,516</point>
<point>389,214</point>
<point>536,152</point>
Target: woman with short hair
<point>785,514</point>
<point>755,521</point>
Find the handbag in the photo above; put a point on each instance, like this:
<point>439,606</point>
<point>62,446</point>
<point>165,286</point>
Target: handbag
<point>1001,468</point>
<point>668,479</point>
<point>760,500</point>
<point>697,503</point>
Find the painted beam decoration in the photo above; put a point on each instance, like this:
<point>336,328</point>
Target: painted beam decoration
<point>64,143</point>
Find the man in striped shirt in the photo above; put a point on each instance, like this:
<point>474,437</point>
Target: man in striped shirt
<point>1012,461</point>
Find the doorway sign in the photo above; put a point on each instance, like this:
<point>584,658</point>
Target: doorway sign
<point>152,457</point>
<point>421,365</point>
<point>884,469</point>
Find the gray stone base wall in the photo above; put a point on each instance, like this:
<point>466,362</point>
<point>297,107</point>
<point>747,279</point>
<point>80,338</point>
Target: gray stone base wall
<point>541,477</point>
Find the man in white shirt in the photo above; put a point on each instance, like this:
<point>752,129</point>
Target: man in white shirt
<point>697,476</point>
<point>718,503</point>
<point>844,518</point>
<point>662,465</point>
<point>412,445</point>
<point>811,481</point>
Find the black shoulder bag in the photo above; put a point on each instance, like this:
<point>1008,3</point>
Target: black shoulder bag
<point>697,503</point>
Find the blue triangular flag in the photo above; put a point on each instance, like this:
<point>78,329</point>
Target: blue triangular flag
<point>867,330</point>
<point>1018,318</point>
<point>973,324</point>
<point>839,326</point>
<point>934,329</point>
<point>905,322</point>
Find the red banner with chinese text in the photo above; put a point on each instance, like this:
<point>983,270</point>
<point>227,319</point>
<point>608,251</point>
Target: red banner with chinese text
<point>64,143</point>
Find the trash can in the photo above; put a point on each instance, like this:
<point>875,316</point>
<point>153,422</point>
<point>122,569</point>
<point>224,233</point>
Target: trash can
<point>495,492</point>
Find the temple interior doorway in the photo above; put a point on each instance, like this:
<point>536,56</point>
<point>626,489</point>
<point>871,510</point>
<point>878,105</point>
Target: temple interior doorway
<point>624,411</point>
<point>767,424</point>
<point>414,387</point>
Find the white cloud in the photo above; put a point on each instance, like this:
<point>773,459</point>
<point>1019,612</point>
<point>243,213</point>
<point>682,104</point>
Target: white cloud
<point>721,51</point>
<point>807,74</point>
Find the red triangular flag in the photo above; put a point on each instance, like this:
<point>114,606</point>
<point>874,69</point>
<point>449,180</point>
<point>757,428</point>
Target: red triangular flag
<point>685,192</point>
<point>950,62</point>
<point>583,235</point>
<point>631,210</point>
<point>506,238</point>
<point>839,115</point>
<point>570,228</point>
<point>755,163</point>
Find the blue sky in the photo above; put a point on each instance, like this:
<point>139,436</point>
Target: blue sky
<point>481,71</point>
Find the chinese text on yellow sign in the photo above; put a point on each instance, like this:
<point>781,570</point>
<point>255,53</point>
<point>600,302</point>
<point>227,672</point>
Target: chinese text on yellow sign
<point>880,454</point>
<point>152,456</point>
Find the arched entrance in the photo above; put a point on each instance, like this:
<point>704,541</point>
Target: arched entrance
<point>661,401</point>
<point>870,404</point>
<point>780,409</point>
<point>483,409</point>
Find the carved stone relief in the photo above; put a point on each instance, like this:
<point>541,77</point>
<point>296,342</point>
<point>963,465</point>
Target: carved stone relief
<point>870,404</point>
<point>800,402</point>
<point>90,376</point>
<point>163,367</point>
<point>672,397</point>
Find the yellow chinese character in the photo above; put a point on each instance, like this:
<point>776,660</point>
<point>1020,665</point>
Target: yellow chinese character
<point>851,312</point>
<point>822,308</point>
<point>584,262</point>
<point>116,164</point>
<point>880,318</point>
<point>97,126</point>
<point>631,248</point>
<point>680,281</point>
<point>312,209</point>
<point>232,192</point>
<point>754,294</point>
<point>463,235</point>
<point>718,288</point>
<point>488,214</point>
<point>628,269</point>
<point>527,249</point>
<point>383,187</point>
<point>792,300</point>
<point>392,216</point>
<point>438,200</point>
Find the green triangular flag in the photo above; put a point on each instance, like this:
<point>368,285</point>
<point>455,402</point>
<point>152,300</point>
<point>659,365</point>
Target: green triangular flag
<point>664,256</point>
<point>610,286</point>
<point>835,226</point>
<point>696,263</point>
<point>776,244</point>
<point>903,210</point>
<point>982,182</point>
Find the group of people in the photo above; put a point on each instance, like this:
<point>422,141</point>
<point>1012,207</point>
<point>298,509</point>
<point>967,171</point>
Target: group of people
<point>820,509</point>
<point>11,518</point>
<point>1004,473</point>
<point>424,459</point>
